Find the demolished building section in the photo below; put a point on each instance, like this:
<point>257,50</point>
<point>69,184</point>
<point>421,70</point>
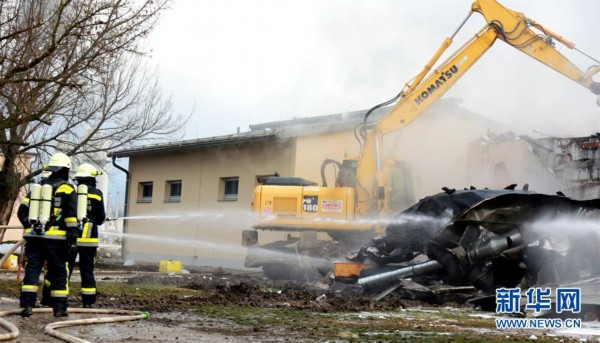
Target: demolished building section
<point>482,240</point>
<point>575,162</point>
<point>464,244</point>
<point>549,164</point>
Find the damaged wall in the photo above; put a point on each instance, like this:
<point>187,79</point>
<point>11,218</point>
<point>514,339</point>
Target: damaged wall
<point>550,164</point>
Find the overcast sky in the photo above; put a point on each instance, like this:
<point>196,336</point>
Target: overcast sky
<point>247,62</point>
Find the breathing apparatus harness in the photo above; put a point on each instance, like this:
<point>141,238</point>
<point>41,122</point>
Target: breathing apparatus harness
<point>41,207</point>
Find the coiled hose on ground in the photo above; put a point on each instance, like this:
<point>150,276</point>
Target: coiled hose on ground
<point>51,329</point>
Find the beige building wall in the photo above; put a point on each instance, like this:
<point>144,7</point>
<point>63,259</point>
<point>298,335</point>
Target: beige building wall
<point>434,145</point>
<point>203,228</point>
<point>313,150</point>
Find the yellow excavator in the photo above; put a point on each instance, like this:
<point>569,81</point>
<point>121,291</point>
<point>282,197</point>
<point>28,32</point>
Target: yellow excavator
<point>368,187</point>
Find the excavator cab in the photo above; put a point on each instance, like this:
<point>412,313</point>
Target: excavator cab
<point>347,174</point>
<point>401,191</point>
<point>400,188</point>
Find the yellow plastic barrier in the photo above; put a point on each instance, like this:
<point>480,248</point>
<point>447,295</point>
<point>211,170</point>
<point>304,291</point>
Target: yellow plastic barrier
<point>170,266</point>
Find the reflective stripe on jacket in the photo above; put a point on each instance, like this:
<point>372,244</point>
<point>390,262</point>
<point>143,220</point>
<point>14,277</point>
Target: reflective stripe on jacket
<point>97,215</point>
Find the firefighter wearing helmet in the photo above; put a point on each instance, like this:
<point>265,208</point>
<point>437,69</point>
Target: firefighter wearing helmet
<point>48,214</point>
<point>90,214</point>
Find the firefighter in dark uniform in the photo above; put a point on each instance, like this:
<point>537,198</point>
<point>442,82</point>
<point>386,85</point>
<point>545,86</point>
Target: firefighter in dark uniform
<point>50,243</point>
<point>87,241</point>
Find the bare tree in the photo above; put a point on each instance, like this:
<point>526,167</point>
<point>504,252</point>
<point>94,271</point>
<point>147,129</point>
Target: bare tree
<point>72,80</point>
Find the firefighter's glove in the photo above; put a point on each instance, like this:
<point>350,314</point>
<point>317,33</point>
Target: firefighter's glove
<point>71,236</point>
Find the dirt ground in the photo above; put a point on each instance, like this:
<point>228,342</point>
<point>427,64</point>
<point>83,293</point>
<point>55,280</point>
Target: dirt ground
<point>215,305</point>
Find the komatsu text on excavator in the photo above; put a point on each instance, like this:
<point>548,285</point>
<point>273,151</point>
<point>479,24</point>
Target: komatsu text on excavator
<point>367,186</point>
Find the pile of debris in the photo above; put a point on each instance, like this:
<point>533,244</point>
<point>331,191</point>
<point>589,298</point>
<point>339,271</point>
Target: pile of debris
<point>462,245</point>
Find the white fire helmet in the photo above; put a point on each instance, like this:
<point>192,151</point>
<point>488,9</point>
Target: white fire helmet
<point>87,170</point>
<point>58,161</point>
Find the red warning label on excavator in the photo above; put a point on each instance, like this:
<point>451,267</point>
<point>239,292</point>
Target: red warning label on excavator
<point>332,206</point>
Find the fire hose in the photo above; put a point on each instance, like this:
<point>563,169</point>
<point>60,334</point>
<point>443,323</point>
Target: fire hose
<point>51,329</point>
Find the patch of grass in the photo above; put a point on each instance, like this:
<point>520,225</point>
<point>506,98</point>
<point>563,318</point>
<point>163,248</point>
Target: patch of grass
<point>413,326</point>
<point>342,326</point>
<point>145,290</point>
<point>10,288</point>
<point>257,316</point>
<point>300,324</point>
<point>408,336</point>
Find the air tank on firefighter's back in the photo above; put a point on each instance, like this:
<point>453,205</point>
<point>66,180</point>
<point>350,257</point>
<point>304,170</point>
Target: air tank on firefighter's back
<point>82,199</point>
<point>46,204</point>
<point>34,202</point>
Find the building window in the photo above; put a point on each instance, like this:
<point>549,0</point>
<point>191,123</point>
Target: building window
<point>145,192</point>
<point>228,188</point>
<point>173,191</point>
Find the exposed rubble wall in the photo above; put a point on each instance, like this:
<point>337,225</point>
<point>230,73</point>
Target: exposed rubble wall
<point>549,164</point>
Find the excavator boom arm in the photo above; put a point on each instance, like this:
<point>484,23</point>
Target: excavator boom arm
<point>510,26</point>
<point>518,31</point>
